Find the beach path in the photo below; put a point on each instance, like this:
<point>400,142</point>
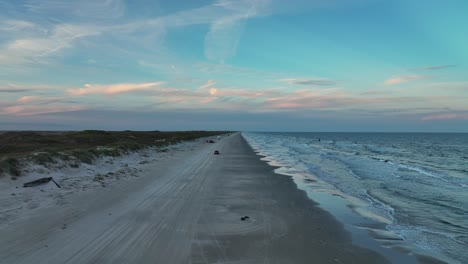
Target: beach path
<point>195,207</point>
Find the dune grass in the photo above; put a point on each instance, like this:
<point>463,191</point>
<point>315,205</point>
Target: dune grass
<point>45,148</point>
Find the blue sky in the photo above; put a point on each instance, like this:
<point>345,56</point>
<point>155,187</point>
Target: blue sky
<point>263,65</point>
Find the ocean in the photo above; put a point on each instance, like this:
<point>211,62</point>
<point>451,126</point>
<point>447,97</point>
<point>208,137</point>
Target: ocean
<point>409,191</point>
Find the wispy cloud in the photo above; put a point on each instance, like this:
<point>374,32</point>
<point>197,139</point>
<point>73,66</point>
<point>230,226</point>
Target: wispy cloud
<point>225,32</point>
<point>35,105</point>
<point>37,49</point>
<point>226,19</point>
<point>445,116</point>
<point>318,99</point>
<point>76,10</point>
<point>27,110</point>
<point>435,67</point>
<point>40,100</point>
<point>208,85</point>
<point>403,79</point>
<point>240,93</point>
<point>113,89</point>
<point>16,25</point>
<point>210,95</point>
<point>462,86</point>
<point>27,99</point>
<point>404,111</point>
<point>3,90</point>
<point>309,82</point>
<point>22,88</point>
<point>376,92</point>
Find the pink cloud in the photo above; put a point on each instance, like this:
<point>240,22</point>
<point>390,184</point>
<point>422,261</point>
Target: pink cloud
<point>326,98</point>
<point>210,88</point>
<point>38,100</point>
<point>403,79</point>
<point>27,110</point>
<point>27,99</point>
<point>267,99</point>
<point>240,93</point>
<point>308,81</point>
<point>113,89</point>
<point>208,85</point>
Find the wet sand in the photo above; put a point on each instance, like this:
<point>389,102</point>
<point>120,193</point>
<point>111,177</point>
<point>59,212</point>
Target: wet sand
<point>284,226</point>
<point>188,209</point>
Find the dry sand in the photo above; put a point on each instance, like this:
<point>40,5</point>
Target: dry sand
<point>18,202</point>
<point>186,209</point>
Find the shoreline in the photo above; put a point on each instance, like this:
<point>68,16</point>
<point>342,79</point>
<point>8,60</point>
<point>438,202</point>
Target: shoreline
<point>285,227</point>
<point>194,207</point>
<point>365,232</point>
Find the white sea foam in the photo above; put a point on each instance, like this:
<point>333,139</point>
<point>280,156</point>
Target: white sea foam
<point>413,188</point>
<point>422,171</point>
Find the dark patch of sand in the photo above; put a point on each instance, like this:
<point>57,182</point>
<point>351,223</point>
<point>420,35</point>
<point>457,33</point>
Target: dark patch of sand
<point>284,225</point>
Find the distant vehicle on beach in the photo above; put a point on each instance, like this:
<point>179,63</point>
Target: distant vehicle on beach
<point>216,152</point>
<point>211,141</point>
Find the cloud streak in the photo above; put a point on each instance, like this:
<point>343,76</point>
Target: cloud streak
<point>113,89</point>
<point>226,19</point>
<point>38,100</point>
<point>29,110</point>
<point>15,25</point>
<point>78,10</point>
<point>445,116</point>
<point>38,49</point>
<point>225,32</point>
<point>14,90</point>
<point>309,82</point>
<point>403,79</point>
<point>436,67</point>
<point>317,99</point>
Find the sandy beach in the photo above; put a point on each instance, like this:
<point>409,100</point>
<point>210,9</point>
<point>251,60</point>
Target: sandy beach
<point>192,207</point>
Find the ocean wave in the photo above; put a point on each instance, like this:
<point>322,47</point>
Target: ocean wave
<point>383,150</point>
<point>455,182</point>
<point>432,240</point>
<point>423,171</point>
<point>374,185</point>
<point>381,205</point>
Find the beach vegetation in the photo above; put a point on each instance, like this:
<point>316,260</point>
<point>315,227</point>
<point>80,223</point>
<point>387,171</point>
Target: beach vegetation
<point>49,147</point>
<point>10,166</point>
<point>84,156</point>
<point>42,158</point>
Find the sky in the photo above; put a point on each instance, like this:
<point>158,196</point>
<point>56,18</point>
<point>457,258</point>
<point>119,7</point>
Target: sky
<point>244,65</point>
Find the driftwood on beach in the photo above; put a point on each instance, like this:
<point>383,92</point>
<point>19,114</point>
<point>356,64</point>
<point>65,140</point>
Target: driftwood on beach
<point>40,181</point>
